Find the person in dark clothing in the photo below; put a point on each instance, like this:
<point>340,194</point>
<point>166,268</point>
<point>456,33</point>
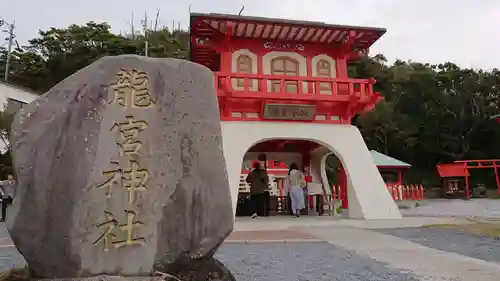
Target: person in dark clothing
<point>259,183</point>
<point>7,192</point>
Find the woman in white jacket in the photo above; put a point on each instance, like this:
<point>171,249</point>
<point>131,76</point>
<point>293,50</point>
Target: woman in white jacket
<point>296,183</point>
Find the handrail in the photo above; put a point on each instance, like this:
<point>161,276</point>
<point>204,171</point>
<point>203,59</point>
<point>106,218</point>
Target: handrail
<point>256,85</point>
<point>295,78</point>
<point>477,161</point>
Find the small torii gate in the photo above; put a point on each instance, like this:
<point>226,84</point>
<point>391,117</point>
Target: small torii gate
<point>481,164</point>
<point>461,169</point>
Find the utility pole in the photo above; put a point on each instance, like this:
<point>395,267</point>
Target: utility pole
<point>145,27</point>
<point>10,31</point>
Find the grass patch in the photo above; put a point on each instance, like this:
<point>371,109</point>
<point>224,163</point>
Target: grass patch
<point>476,228</point>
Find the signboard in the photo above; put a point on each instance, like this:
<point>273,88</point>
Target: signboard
<point>289,111</point>
<point>278,46</point>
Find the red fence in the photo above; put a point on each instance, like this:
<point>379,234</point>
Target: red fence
<point>398,192</point>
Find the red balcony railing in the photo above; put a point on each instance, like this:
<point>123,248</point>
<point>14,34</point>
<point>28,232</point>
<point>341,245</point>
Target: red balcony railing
<point>281,87</point>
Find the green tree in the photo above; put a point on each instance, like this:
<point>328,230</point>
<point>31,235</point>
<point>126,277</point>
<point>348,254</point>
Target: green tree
<point>431,113</point>
<point>59,52</point>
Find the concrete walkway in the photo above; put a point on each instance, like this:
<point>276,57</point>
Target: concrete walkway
<point>428,263</point>
<point>457,207</point>
<point>285,222</point>
<point>284,228</point>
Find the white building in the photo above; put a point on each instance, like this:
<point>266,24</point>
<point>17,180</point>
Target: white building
<point>12,99</point>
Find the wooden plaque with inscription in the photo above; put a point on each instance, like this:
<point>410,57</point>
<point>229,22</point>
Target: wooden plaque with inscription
<point>289,111</point>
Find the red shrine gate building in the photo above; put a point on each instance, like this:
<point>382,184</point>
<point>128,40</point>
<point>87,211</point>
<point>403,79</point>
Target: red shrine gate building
<point>283,90</point>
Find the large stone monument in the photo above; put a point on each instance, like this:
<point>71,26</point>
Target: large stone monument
<point>121,173</point>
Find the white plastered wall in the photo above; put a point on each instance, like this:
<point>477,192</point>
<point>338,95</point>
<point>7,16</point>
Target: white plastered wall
<point>266,65</point>
<point>318,168</point>
<point>368,198</point>
<point>253,84</point>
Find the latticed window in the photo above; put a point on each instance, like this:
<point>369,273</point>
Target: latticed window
<point>324,69</point>
<point>243,65</point>
<point>285,66</point>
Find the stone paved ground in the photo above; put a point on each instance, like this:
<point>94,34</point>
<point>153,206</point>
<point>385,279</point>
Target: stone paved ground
<point>457,207</point>
<point>475,246</point>
<point>9,256</point>
<point>305,262</point>
<point>270,236</point>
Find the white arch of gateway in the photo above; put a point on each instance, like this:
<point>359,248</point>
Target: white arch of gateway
<point>367,193</point>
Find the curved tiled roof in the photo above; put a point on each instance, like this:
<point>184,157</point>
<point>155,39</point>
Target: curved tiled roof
<point>382,160</point>
<point>19,87</point>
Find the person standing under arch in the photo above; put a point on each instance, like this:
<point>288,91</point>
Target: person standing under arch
<point>259,183</point>
<point>296,183</point>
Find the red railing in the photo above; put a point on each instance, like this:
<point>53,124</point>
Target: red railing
<point>398,192</point>
<point>256,86</point>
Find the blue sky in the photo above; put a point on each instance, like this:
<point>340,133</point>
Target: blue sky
<point>462,31</point>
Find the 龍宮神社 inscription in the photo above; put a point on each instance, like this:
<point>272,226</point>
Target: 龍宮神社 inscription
<point>130,91</point>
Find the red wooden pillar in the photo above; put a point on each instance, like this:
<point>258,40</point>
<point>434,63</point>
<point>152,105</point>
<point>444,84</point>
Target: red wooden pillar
<point>495,167</point>
<point>261,85</point>
<point>226,66</point>
<point>343,186</point>
<point>226,56</point>
<point>343,87</point>
<point>309,71</point>
<point>467,195</point>
<point>341,65</point>
<point>400,177</point>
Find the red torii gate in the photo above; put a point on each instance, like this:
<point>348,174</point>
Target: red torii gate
<point>461,169</point>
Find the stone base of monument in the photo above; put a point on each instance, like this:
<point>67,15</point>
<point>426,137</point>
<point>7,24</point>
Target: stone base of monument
<point>190,270</point>
<point>208,269</point>
<point>108,278</point>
